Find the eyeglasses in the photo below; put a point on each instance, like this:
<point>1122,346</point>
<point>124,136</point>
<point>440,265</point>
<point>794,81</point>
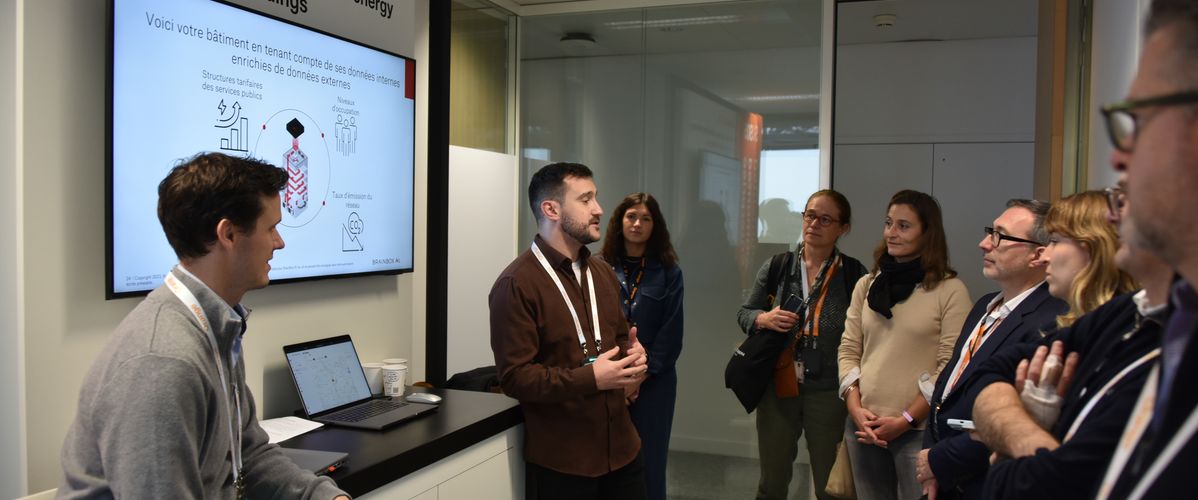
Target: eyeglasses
<point>1122,124</point>
<point>997,237</point>
<point>1116,199</point>
<point>824,220</point>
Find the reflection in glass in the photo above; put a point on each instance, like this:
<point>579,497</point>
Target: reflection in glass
<point>715,109</point>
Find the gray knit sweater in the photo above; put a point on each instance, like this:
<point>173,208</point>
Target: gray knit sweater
<point>152,422</point>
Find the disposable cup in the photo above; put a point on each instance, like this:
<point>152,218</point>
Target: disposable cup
<point>394,377</point>
<point>374,377</point>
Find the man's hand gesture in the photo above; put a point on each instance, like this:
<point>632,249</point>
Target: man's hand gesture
<point>618,374</point>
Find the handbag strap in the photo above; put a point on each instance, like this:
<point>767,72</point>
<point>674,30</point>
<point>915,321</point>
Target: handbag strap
<point>779,265</point>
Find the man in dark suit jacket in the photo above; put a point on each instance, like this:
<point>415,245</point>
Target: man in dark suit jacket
<point>1161,164</point>
<point>951,462</point>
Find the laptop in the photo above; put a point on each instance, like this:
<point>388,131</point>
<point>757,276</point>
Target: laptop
<point>317,461</point>
<point>333,388</point>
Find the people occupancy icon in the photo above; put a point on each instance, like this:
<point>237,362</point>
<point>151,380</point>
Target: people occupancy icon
<point>295,161</point>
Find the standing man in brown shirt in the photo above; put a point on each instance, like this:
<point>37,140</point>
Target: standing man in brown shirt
<point>573,381</point>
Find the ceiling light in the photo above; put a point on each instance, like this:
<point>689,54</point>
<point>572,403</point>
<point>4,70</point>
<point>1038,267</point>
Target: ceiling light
<point>779,98</point>
<point>885,20</point>
<point>578,41</point>
<point>680,21</point>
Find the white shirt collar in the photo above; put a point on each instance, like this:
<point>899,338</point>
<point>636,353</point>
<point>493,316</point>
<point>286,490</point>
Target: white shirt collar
<point>1146,309</point>
<point>1009,305</point>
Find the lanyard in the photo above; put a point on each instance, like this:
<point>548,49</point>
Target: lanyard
<point>189,300</point>
<point>1137,423</point>
<point>986,326</point>
<point>808,292</point>
<point>582,341</point>
<point>812,328</point>
<point>630,302</point>
<point>1077,422</point>
<point>1141,417</point>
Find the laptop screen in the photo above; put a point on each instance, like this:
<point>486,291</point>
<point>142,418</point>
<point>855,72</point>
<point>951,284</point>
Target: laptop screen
<point>327,373</point>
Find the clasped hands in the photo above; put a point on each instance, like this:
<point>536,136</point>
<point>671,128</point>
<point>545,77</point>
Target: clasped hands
<point>875,430</point>
<point>625,373</point>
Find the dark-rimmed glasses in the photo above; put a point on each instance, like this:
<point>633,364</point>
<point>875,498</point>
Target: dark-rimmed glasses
<point>1116,199</point>
<point>1122,123</point>
<point>997,237</point>
<point>824,220</point>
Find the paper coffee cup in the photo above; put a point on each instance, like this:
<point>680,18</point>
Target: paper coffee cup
<point>374,377</point>
<point>393,379</point>
<point>395,361</point>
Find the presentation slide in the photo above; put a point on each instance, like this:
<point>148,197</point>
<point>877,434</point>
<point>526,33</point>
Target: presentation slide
<point>193,76</point>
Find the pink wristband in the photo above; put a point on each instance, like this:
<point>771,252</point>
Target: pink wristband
<point>910,419</point>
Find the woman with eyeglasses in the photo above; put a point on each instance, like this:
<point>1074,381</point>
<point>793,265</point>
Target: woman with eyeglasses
<point>637,246</point>
<point>902,323</point>
<point>802,396</point>
<point>1080,255</point>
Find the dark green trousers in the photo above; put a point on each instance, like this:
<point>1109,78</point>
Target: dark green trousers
<point>780,423</point>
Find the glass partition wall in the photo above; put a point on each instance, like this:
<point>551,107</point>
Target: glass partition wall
<point>714,109</point>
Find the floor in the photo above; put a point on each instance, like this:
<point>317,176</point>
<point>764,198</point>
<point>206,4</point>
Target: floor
<point>700,476</point>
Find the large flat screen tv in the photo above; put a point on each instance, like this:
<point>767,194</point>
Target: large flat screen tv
<point>190,76</point>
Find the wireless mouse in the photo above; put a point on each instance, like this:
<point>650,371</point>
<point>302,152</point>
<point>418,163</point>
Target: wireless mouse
<point>423,397</point>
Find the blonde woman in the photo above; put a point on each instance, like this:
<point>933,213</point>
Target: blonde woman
<point>1080,255</point>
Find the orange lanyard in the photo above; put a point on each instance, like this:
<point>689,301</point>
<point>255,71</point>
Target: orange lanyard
<point>813,320</point>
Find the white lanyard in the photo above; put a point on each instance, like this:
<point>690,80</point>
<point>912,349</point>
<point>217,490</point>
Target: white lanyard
<point>590,286</point>
<point>1141,416</point>
<point>1081,416</point>
<point>189,300</point>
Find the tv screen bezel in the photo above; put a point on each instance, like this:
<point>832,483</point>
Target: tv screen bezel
<point>110,292</point>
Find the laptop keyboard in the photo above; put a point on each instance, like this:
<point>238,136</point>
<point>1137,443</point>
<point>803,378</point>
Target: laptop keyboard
<point>365,410</point>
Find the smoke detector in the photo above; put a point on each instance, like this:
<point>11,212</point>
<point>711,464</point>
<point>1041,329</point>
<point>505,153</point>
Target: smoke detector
<point>885,20</point>
<point>577,41</point>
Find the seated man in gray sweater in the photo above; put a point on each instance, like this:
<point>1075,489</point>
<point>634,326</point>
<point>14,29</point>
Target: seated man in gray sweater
<point>166,412</point>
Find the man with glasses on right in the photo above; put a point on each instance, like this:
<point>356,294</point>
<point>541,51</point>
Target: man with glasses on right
<point>951,462</point>
<point>1155,133</point>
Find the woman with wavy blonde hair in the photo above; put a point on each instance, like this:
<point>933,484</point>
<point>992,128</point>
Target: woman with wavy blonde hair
<point>1080,255</point>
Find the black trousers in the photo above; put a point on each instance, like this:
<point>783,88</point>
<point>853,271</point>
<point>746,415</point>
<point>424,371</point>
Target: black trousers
<point>625,483</point>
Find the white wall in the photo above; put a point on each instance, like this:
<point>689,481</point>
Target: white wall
<point>61,132</point>
<point>926,92</point>
<point>483,203</point>
<point>1114,52</point>
<point>12,437</point>
<point>954,119</point>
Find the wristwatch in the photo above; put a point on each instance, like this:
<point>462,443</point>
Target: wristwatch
<point>910,419</point>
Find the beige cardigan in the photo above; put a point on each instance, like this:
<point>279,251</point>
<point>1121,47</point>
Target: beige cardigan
<point>892,353</point>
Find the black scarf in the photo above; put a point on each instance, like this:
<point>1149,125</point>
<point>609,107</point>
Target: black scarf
<point>895,282</point>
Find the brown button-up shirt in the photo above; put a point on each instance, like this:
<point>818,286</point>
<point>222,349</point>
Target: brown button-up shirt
<point>570,425</point>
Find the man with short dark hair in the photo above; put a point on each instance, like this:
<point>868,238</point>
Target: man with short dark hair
<point>165,412</point>
<point>951,462</point>
<point>1155,133</point>
<point>563,349</point>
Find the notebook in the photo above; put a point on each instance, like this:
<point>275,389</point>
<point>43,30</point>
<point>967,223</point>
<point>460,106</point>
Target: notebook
<point>333,388</point>
<point>317,461</point>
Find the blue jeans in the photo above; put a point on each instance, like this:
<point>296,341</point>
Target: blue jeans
<point>885,473</point>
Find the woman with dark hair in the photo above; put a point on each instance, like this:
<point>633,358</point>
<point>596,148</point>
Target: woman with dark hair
<point>637,245</point>
<point>802,396</point>
<point>902,324</point>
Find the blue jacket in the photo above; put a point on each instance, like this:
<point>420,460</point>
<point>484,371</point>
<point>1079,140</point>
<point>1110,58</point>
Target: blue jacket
<point>656,312</point>
<point>960,463</point>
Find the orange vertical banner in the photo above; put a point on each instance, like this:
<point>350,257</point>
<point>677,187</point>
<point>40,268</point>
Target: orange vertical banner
<point>750,159</point>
